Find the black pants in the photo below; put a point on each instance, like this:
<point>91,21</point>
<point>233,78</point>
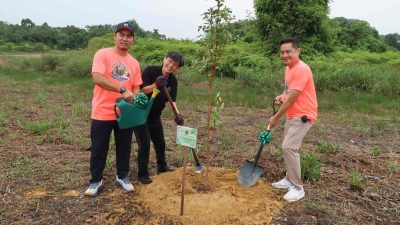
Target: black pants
<point>100,135</point>
<point>153,130</point>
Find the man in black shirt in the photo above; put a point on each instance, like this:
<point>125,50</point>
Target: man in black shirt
<point>157,77</point>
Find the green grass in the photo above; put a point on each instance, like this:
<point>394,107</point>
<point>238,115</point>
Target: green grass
<point>327,147</point>
<point>376,150</point>
<point>357,180</point>
<point>311,166</point>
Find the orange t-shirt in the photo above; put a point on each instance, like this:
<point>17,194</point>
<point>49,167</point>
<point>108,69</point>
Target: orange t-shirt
<point>300,78</point>
<point>122,70</point>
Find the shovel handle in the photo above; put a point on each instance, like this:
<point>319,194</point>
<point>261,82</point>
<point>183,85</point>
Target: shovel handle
<point>196,158</point>
<point>165,91</point>
<point>258,154</point>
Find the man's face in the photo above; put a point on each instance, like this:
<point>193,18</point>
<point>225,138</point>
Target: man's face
<point>289,54</point>
<point>123,39</point>
<point>170,66</point>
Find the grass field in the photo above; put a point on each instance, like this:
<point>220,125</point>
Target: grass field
<point>44,135</point>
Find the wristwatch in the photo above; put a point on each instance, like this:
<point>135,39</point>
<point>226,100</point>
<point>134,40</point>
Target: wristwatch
<point>122,89</point>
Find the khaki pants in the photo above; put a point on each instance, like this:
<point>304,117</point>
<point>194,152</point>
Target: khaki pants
<point>294,133</point>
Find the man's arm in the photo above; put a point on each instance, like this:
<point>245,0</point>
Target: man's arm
<point>290,99</point>
<point>149,88</point>
<point>99,79</point>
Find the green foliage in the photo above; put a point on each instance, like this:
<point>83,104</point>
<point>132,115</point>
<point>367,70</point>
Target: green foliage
<point>327,147</point>
<point>357,180</point>
<point>216,111</point>
<point>77,63</point>
<point>38,127</point>
<point>49,62</point>
<point>376,150</point>
<point>305,19</point>
<point>311,166</point>
<point>216,34</point>
<point>352,35</point>
<point>393,40</point>
<point>359,71</point>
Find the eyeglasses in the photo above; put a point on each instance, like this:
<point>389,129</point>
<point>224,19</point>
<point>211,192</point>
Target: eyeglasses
<point>171,64</point>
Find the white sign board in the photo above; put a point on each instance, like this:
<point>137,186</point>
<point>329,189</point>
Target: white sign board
<point>186,136</point>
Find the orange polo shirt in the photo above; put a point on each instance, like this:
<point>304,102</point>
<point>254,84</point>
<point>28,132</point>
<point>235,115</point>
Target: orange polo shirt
<point>300,78</point>
<point>121,70</point>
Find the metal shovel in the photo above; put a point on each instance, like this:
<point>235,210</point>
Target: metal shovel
<point>250,171</point>
<point>197,167</point>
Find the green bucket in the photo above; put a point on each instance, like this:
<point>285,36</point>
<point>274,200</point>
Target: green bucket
<point>132,115</point>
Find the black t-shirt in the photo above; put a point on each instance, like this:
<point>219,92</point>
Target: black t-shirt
<point>149,76</point>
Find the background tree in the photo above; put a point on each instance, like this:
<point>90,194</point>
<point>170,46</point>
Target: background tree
<point>305,19</point>
<point>393,40</point>
<point>353,34</point>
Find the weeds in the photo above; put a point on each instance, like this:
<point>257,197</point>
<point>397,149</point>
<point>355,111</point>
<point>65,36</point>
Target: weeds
<point>357,180</point>
<point>328,147</point>
<point>311,166</point>
<point>376,151</point>
<point>38,127</point>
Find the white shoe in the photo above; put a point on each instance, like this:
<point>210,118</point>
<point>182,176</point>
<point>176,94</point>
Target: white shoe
<point>294,194</point>
<point>94,188</point>
<point>283,184</point>
<point>124,184</point>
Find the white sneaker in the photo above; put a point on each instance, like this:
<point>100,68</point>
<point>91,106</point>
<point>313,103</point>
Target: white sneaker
<point>124,184</point>
<point>94,188</point>
<point>283,184</point>
<point>294,194</point>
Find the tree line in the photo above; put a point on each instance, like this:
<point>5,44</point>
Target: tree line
<point>60,38</point>
<point>274,19</point>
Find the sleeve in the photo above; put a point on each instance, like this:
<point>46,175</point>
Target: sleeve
<point>137,79</point>
<point>99,62</point>
<point>174,89</point>
<point>146,77</point>
<point>300,78</point>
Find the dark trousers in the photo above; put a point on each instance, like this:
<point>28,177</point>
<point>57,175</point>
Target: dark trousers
<point>153,130</point>
<point>100,135</point>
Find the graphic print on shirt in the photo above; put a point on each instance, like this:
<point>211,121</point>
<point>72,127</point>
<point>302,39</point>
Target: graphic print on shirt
<point>119,72</point>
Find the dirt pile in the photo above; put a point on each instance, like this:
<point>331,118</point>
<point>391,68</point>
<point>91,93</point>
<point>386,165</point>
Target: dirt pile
<point>223,201</point>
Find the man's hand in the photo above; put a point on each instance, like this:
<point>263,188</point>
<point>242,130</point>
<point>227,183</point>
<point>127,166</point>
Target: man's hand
<point>128,96</point>
<point>280,99</point>
<point>179,120</point>
<point>272,122</point>
<point>160,82</point>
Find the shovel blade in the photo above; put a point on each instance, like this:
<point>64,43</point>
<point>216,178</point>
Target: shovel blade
<point>198,168</point>
<point>248,176</point>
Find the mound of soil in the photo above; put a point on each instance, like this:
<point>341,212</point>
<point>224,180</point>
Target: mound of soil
<point>221,201</point>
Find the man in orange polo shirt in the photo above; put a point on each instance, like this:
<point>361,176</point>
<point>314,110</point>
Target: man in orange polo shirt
<point>299,102</point>
<point>115,74</point>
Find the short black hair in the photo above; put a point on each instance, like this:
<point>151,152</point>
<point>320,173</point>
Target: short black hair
<point>176,57</point>
<point>294,41</point>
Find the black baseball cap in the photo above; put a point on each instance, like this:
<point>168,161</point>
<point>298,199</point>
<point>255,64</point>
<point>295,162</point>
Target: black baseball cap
<point>125,25</point>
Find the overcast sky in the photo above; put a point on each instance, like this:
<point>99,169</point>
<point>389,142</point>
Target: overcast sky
<point>176,18</point>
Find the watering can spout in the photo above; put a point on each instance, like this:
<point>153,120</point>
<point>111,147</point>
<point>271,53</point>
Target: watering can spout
<point>150,103</point>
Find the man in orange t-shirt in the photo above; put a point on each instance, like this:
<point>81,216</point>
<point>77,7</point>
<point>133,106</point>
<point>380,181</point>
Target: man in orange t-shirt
<point>115,74</point>
<point>299,102</point>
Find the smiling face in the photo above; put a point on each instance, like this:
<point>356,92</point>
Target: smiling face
<point>123,39</point>
<point>169,66</point>
<point>290,55</point>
